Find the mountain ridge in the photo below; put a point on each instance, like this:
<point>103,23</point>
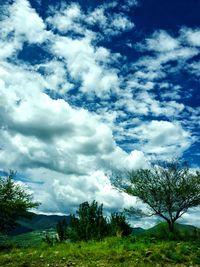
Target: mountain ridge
<point>36,221</point>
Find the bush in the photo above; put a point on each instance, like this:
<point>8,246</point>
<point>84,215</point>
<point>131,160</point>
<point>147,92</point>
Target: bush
<point>118,225</point>
<point>47,238</point>
<point>90,224</point>
<point>61,229</point>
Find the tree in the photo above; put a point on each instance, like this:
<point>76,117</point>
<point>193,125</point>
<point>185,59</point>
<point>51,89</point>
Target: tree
<point>118,225</point>
<point>61,229</point>
<point>14,202</point>
<point>89,222</point>
<point>168,190</point>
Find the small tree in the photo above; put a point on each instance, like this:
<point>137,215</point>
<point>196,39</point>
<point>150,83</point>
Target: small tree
<point>61,229</point>
<point>89,223</point>
<point>118,225</point>
<point>168,190</point>
<point>14,202</point>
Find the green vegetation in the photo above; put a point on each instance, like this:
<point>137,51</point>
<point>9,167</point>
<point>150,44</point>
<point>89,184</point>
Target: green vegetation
<point>181,232</point>
<point>14,202</point>
<point>89,223</point>
<point>91,239</point>
<point>118,225</point>
<point>37,222</point>
<point>32,239</point>
<point>61,229</point>
<point>111,251</point>
<point>168,190</point>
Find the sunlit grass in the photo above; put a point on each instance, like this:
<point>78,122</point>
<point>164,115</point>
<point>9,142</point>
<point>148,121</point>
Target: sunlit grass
<point>108,252</point>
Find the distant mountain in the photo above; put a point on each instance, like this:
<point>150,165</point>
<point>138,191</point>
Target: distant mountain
<point>178,226</point>
<point>138,231</point>
<point>161,230</point>
<point>42,222</point>
<point>37,222</point>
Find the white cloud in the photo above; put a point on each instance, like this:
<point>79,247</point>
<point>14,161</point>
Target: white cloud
<point>191,217</point>
<point>192,36</point>
<point>7,49</point>
<point>67,19</point>
<point>161,41</point>
<point>55,76</point>
<point>64,193</point>
<point>144,103</point>
<point>66,151</point>
<point>85,65</point>
<point>121,23</point>
<point>163,138</point>
<point>73,18</point>
<point>42,134</point>
<point>20,21</point>
<point>148,91</point>
<point>180,56</point>
<point>194,68</point>
<point>109,25</point>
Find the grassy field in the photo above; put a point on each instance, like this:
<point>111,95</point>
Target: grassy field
<point>115,251</point>
<point>31,239</point>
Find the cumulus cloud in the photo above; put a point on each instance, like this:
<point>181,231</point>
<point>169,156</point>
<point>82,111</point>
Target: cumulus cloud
<point>18,13</point>
<point>43,137</point>
<point>71,159</point>
<point>62,118</point>
<point>163,138</point>
<point>84,65</point>
<point>71,190</point>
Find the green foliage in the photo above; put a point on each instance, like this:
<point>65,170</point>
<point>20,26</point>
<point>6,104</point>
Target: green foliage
<point>61,229</point>
<point>37,222</point>
<point>169,190</point>
<point>14,202</point>
<point>89,223</point>
<point>181,232</point>
<point>48,239</point>
<point>118,225</point>
<point>31,239</point>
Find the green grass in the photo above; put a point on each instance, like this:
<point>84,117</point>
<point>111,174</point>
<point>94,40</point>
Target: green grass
<point>150,248</point>
<point>127,252</point>
<point>31,239</point>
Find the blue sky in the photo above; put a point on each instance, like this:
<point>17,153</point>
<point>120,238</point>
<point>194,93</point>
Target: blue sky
<point>92,87</point>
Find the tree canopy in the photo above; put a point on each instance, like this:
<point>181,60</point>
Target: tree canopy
<point>168,190</point>
<point>15,201</point>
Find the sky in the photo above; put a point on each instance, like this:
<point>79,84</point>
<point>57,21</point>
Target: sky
<point>89,88</point>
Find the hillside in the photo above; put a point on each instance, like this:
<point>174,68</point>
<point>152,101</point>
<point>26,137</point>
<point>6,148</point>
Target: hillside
<point>142,248</point>
<point>37,222</point>
<point>161,230</point>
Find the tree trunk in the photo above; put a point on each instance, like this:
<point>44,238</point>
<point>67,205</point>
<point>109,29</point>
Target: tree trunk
<point>171,226</point>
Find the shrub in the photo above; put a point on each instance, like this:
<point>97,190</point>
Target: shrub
<point>90,223</point>
<point>61,229</point>
<point>118,225</point>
